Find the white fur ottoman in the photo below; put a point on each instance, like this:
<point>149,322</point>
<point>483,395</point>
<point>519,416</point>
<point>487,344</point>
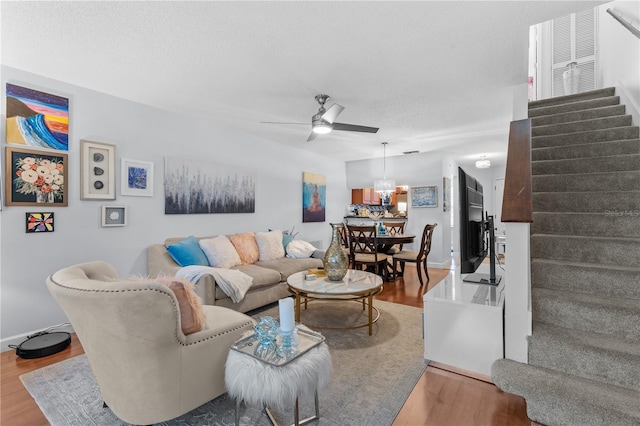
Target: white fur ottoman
<point>259,383</point>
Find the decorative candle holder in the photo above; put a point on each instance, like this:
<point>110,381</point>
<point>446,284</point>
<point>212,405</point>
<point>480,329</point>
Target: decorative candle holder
<point>288,347</point>
<point>266,333</point>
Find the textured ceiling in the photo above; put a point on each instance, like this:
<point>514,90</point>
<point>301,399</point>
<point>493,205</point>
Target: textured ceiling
<point>433,76</point>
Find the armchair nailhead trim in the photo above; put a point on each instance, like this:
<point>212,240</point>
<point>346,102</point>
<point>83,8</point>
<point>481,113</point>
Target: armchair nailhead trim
<point>175,307</point>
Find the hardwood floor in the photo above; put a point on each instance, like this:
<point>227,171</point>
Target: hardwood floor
<point>17,408</point>
<point>441,397</point>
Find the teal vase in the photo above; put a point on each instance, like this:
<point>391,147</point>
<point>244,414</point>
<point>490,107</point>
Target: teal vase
<point>335,260</point>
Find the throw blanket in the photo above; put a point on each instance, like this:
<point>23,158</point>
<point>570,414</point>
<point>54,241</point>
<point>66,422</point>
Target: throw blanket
<point>234,283</point>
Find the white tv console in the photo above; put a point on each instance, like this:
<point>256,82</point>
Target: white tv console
<point>464,323</point>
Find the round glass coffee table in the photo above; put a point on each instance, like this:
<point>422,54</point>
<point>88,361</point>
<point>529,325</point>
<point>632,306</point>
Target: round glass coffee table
<point>356,285</point>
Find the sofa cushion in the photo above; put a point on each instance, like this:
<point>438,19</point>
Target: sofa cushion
<point>270,245</point>
<point>262,277</point>
<point>246,247</point>
<point>187,252</point>
<point>220,252</point>
<point>299,249</point>
<point>287,266</point>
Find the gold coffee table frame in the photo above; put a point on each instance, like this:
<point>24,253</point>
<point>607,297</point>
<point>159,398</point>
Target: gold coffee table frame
<point>355,286</point>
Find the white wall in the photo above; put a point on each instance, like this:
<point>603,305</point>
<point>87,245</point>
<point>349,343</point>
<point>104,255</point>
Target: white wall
<point>144,133</point>
<point>619,52</point>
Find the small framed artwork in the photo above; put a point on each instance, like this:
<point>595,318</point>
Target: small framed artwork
<point>39,222</point>
<point>136,178</point>
<point>114,216</point>
<point>424,196</point>
<point>35,178</point>
<point>446,194</point>
<point>97,171</point>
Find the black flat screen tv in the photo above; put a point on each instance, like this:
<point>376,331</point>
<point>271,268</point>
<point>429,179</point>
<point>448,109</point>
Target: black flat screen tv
<point>477,237</point>
<point>472,245</point>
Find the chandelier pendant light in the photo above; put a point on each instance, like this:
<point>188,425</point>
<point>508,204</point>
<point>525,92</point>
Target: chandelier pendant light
<point>483,163</point>
<point>385,187</point>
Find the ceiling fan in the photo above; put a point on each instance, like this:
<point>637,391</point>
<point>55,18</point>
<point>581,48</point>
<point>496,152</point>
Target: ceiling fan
<point>324,120</point>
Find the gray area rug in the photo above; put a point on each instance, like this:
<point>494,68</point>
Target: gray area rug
<point>372,375</point>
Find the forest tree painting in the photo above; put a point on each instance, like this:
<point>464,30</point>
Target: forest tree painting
<point>192,186</point>
<point>314,188</point>
<point>37,119</point>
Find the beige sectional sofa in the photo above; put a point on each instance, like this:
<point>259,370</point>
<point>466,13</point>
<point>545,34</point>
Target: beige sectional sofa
<point>269,277</point>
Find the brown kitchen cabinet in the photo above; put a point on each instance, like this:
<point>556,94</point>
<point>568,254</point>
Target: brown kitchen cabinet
<point>367,196</point>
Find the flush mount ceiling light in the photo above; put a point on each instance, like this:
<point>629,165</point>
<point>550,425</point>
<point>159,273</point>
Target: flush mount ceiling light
<point>384,186</point>
<point>483,163</point>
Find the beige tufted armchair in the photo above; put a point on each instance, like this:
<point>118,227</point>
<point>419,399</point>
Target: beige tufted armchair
<point>147,369</point>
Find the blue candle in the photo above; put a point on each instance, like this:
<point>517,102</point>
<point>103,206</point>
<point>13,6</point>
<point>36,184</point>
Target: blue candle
<point>287,323</point>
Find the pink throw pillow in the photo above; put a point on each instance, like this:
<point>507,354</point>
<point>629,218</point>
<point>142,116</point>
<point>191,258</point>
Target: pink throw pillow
<point>192,318</point>
<point>246,246</point>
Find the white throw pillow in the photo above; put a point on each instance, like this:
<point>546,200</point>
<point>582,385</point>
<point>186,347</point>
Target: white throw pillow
<point>220,252</point>
<point>299,249</point>
<point>270,245</point>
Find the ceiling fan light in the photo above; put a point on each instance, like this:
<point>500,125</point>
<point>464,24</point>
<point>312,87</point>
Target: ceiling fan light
<point>318,125</point>
<point>322,128</point>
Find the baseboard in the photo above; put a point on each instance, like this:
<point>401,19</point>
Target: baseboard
<point>461,371</point>
<point>16,340</point>
<point>442,265</point>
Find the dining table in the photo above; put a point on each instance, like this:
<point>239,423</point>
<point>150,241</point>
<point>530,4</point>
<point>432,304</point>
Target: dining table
<point>386,241</point>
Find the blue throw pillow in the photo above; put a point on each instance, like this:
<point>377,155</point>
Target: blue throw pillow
<point>188,252</point>
<point>286,239</point>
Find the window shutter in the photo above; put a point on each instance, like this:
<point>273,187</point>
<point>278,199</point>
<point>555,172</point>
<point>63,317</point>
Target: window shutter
<point>574,40</point>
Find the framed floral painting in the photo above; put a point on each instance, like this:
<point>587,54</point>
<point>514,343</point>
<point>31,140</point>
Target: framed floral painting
<point>35,178</point>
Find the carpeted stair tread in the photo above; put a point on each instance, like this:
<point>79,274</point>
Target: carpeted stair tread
<point>599,250</point>
<point>607,223</point>
<point>612,163</point>
<point>587,312</point>
<point>593,356</point>
<point>612,281</point>
<point>572,116</point>
<point>573,106</point>
<point>618,202</point>
<point>588,150</point>
<point>578,97</point>
<point>581,126</point>
<point>600,181</point>
<point>555,398</point>
<point>578,138</point>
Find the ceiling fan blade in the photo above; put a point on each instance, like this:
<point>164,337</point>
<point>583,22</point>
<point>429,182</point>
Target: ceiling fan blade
<point>280,122</point>
<point>312,136</point>
<point>332,113</point>
<point>354,128</point>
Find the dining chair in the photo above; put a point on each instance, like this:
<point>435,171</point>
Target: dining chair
<point>394,228</point>
<point>417,257</point>
<point>363,248</point>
